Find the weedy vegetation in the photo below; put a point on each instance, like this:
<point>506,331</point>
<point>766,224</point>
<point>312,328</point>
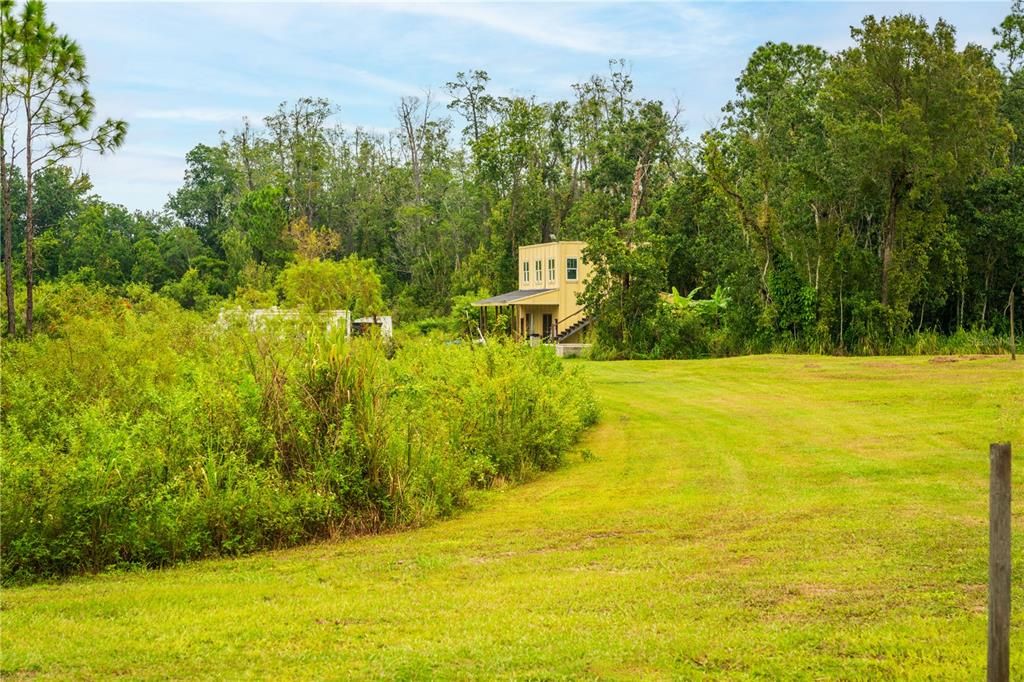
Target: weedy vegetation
<point>138,433</point>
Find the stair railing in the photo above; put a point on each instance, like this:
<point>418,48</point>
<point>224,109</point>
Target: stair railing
<point>557,325</point>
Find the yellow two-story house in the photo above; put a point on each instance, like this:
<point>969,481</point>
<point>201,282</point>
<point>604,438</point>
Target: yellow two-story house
<point>544,307</point>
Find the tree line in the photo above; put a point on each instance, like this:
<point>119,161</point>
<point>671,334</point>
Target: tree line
<point>844,200</point>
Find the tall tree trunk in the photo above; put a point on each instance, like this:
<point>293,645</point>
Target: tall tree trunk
<point>246,160</point>
<point>637,189</point>
<point>960,311</point>
<point>29,227</point>
<point>888,240</point>
<point>984,299</point>
<point>7,102</point>
<point>636,196</point>
<point>8,217</point>
<point>842,311</point>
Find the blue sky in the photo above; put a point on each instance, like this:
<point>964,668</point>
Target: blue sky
<point>181,72</point>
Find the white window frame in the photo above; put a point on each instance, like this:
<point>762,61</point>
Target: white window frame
<point>538,267</point>
<point>551,269</point>
<point>575,269</point>
<point>526,271</point>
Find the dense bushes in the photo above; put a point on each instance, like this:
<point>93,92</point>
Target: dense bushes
<point>695,331</point>
<point>138,433</point>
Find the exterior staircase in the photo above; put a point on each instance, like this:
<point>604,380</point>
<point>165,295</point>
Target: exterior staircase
<point>576,326</point>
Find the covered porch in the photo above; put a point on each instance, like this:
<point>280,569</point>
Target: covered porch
<point>533,315</point>
<point>528,313</point>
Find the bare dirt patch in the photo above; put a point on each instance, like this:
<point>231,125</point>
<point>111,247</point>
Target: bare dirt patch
<point>957,358</point>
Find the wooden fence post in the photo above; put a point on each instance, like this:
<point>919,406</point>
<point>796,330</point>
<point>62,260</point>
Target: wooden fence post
<point>999,563</point>
<point>1013,332</point>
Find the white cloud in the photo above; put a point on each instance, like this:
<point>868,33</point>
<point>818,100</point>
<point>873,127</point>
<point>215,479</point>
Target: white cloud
<point>197,114</point>
<point>377,82</point>
<point>541,24</point>
<point>179,72</point>
<point>371,129</point>
<point>266,19</point>
<point>137,177</point>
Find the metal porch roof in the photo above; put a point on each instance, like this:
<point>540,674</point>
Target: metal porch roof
<point>511,297</point>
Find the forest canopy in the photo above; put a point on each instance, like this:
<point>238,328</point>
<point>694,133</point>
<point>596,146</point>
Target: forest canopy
<point>845,202</point>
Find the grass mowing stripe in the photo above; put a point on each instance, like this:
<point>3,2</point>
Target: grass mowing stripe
<point>782,517</point>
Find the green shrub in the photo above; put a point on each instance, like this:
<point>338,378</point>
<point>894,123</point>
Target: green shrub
<point>138,433</point>
<point>681,332</point>
<point>349,284</point>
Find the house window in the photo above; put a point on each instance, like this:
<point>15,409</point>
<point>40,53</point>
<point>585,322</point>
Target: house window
<point>526,271</point>
<point>540,271</point>
<point>551,269</point>
<point>571,269</point>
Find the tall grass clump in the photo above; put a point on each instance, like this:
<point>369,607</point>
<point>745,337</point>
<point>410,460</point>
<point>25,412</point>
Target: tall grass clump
<point>137,433</point>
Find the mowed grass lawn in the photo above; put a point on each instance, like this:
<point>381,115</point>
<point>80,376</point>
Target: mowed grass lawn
<point>763,517</point>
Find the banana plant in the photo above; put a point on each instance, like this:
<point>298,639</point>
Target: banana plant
<point>712,307</point>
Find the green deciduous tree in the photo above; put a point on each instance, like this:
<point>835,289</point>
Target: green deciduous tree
<point>622,292</point>
<point>770,162</point>
<point>1011,37</point>
<point>1010,47</point>
<point>203,202</point>
<point>349,284</point>
<point>912,117</point>
<point>470,98</point>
